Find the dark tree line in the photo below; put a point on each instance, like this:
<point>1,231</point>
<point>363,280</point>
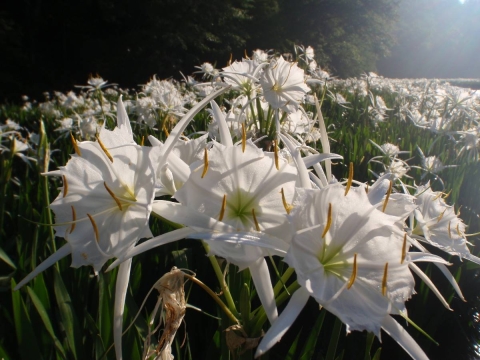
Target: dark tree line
<point>53,45</point>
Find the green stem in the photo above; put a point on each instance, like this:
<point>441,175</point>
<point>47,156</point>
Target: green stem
<point>215,297</point>
<point>281,283</point>
<point>223,285</point>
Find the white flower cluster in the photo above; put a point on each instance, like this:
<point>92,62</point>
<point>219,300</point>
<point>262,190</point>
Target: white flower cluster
<point>349,244</point>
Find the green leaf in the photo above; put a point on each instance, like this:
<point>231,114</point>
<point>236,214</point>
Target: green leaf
<point>27,342</point>
<point>377,355</point>
<point>68,317</point>
<point>335,335</point>
<point>6,258</point>
<point>311,342</point>
<point>368,348</point>
<point>46,320</point>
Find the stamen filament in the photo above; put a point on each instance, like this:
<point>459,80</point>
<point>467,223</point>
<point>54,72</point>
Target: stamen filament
<point>404,248</point>
<point>95,228</point>
<point>244,137</point>
<point>113,196</point>
<point>65,185</point>
<point>388,196</point>
<point>75,145</point>
<point>224,205</point>
<point>329,220</point>
<point>384,281</point>
<point>257,227</point>
<point>354,272</point>
<point>205,161</point>
<point>74,219</point>
<point>104,148</point>
<point>275,152</point>
<point>142,142</point>
<point>350,178</point>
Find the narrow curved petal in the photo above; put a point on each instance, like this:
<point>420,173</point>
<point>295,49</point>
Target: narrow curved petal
<point>219,118</point>
<point>183,123</point>
<point>284,321</point>
<point>302,169</point>
<point>121,287</point>
<point>263,284</point>
<point>430,284</point>
<point>52,259</point>
<point>152,243</point>
<point>403,338</point>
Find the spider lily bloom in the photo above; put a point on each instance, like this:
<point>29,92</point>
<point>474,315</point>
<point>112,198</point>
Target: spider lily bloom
<point>439,225</point>
<point>238,192</point>
<point>283,85</point>
<point>242,76</point>
<point>250,191</point>
<point>351,257</point>
<point>104,205</point>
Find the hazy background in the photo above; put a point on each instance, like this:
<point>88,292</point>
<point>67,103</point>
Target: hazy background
<point>54,45</point>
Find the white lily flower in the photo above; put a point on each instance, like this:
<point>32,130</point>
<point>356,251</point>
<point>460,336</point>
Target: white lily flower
<point>351,258</point>
<point>439,225</point>
<point>284,85</point>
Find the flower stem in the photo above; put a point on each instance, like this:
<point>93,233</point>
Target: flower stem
<point>215,297</point>
<point>223,285</point>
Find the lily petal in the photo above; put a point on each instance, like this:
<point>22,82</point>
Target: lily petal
<point>52,259</point>
<point>263,284</point>
<point>121,288</point>
<point>403,338</point>
<point>284,321</point>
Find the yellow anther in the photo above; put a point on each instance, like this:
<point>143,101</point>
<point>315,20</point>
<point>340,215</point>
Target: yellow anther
<point>244,137</point>
<point>75,145</point>
<point>113,196</point>
<point>257,227</point>
<point>366,189</point>
<point>286,205</point>
<point>224,205</point>
<point>354,272</point>
<point>95,228</point>
<point>74,219</point>
<point>104,148</point>
<point>350,178</point>
<point>458,211</point>
<point>231,58</point>
<point>142,142</point>
<point>449,230</point>
<point>205,163</point>
<point>388,196</point>
<point>404,248</point>
<point>65,185</point>
<point>329,220</point>
<point>84,256</point>
<point>441,216</point>
<point>458,230</point>
<point>447,194</point>
<point>384,281</point>
<point>437,196</point>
